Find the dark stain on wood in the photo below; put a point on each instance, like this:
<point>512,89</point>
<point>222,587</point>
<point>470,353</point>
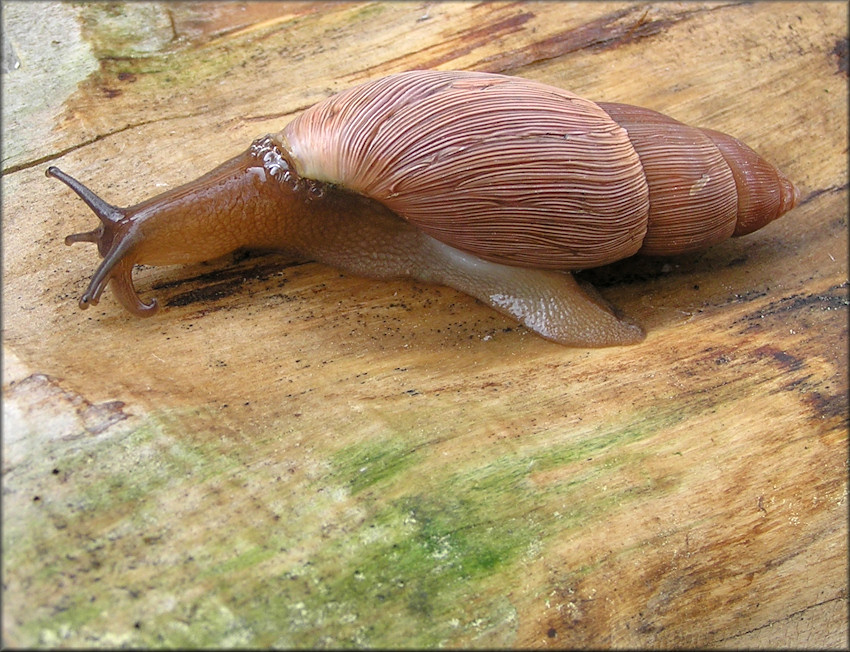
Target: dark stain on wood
<point>206,293</point>
<point>786,361</point>
<point>438,54</point>
<point>828,406</point>
<point>834,298</point>
<point>229,267</point>
<point>841,55</point>
<point>802,312</point>
<point>223,281</point>
<point>609,31</point>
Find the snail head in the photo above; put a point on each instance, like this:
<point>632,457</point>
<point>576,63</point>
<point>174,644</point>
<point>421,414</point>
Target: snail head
<point>115,237</point>
<point>234,206</point>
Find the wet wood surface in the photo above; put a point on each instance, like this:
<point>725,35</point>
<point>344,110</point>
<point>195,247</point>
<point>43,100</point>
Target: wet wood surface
<point>290,456</point>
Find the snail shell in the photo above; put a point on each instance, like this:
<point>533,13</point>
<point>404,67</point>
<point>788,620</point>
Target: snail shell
<point>484,182</point>
<point>526,174</point>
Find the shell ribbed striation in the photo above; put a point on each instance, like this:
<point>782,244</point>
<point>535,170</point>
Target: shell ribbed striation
<point>511,170</point>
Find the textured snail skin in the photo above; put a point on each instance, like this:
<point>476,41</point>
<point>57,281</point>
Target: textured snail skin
<point>494,185</point>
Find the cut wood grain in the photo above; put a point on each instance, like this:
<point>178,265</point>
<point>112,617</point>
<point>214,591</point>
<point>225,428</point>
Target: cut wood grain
<point>289,456</point>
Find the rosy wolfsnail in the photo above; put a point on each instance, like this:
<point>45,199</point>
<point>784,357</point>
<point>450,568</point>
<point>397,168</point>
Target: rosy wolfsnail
<point>496,186</point>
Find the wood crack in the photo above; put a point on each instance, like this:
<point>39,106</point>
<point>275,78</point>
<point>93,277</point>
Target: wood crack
<point>829,190</point>
<point>94,139</point>
<point>776,621</point>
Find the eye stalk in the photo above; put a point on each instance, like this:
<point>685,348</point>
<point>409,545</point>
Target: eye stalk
<point>115,238</point>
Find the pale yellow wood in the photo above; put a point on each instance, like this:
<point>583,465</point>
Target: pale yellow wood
<point>289,456</point>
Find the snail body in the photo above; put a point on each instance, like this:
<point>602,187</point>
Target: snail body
<point>494,185</point>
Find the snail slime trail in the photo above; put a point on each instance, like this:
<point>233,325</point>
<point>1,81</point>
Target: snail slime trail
<point>496,186</point>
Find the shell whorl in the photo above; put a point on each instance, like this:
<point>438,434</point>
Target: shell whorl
<point>704,186</point>
<point>522,173</point>
<point>692,195</point>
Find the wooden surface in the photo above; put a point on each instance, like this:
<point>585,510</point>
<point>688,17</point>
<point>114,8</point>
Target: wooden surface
<point>288,456</point>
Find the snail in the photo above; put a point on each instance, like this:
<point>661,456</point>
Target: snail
<point>494,185</point>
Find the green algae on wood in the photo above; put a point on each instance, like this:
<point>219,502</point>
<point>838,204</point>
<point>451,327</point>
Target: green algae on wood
<point>404,550</point>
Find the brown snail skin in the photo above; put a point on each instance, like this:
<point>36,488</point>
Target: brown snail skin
<point>496,186</point>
